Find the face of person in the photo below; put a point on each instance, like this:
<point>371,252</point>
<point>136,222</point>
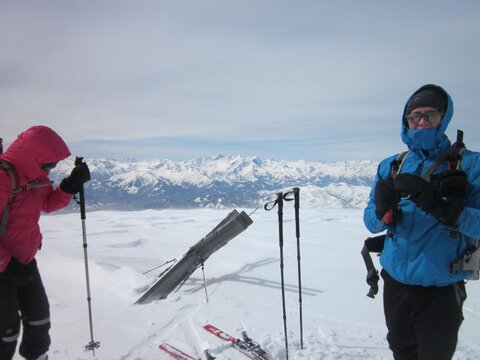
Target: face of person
<point>47,167</point>
<point>424,118</point>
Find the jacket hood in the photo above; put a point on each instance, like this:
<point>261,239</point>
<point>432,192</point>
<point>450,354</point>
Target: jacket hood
<point>431,140</point>
<point>35,146</point>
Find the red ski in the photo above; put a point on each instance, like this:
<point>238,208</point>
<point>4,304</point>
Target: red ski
<point>222,335</point>
<point>180,355</point>
<point>175,352</point>
<point>246,345</point>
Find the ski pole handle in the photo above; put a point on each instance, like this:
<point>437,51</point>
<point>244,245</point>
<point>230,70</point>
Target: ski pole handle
<point>296,193</point>
<point>78,163</point>
<point>279,202</point>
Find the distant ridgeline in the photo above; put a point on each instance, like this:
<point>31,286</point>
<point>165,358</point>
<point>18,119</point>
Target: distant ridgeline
<point>221,182</point>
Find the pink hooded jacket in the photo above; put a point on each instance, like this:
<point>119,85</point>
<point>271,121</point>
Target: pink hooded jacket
<point>36,146</point>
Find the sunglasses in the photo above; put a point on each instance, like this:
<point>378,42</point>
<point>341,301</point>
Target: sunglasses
<point>433,117</point>
<point>48,166</point>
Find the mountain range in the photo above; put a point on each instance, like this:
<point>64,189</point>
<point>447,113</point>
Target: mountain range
<point>221,182</point>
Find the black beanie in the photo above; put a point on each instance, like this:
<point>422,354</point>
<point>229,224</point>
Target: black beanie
<point>429,97</point>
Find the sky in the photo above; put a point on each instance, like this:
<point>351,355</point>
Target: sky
<point>312,80</point>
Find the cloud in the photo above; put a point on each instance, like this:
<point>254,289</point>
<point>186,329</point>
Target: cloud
<point>120,71</point>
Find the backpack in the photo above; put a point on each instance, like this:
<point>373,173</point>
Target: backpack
<point>8,168</point>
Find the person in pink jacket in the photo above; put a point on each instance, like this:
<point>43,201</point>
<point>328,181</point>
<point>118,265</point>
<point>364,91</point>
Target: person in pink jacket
<point>26,191</point>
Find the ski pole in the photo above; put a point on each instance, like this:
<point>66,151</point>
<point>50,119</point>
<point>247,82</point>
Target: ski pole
<point>296,193</point>
<point>280,236</point>
<point>159,266</point>
<point>269,207</point>
<point>204,282</point>
<point>92,345</point>
<point>296,198</point>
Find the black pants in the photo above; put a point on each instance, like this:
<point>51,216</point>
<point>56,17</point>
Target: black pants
<point>422,322</point>
<point>23,299</point>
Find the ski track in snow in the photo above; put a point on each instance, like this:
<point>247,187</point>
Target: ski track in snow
<point>243,286</point>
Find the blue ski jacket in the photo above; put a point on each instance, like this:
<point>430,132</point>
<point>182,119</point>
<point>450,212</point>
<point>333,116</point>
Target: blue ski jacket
<point>418,248</point>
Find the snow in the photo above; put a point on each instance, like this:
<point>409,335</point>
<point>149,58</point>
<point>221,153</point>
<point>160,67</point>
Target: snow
<point>243,278</point>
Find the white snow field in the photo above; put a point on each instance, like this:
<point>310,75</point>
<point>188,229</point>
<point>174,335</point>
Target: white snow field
<point>243,285</point>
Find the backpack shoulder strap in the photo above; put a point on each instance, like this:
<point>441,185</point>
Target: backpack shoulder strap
<point>11,174</point>
<point>397,164</point>
<point>15,190</point>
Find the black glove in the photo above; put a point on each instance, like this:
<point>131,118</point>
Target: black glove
<point>386,198</point>
<point>426,196</point>
<point>453,184</point>
<point>18,273</point>
<point>79,176</point>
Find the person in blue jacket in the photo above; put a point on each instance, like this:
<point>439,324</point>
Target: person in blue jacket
<point>431,212</point>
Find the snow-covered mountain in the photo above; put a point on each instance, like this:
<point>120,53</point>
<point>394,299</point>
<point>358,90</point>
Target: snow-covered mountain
<point>222,181</point>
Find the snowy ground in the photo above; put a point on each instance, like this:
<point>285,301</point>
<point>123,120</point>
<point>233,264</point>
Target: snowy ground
<point>340,321</point>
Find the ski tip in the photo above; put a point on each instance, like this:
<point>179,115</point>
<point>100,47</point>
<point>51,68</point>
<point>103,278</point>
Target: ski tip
<point>209,327</point>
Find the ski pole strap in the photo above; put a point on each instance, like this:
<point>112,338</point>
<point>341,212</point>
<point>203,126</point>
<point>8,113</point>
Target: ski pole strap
<point>270,205</point>
<point>293,195</point>
<point>278,201</point>
<point>372,244</point>
<point>288,196</point>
